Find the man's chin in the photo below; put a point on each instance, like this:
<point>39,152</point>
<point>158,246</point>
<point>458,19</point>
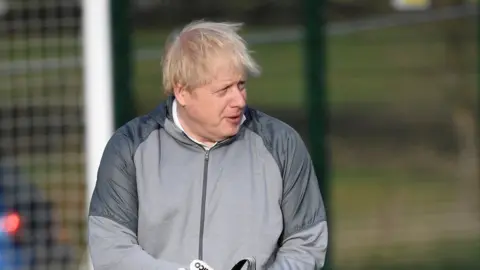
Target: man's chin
<point>231,131</point>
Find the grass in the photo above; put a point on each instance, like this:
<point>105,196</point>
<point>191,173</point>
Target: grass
<point>392,219</point>
<point>444,255</point>
<point>360,191</point>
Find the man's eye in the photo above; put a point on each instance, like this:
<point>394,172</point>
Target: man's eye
<point>241,85</point>
<point>223,91</point>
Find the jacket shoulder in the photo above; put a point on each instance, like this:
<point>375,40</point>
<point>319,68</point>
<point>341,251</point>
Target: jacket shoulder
<point>114,196</point>
<point>281,139</point>
<point>129,136</point>
<point>275,133</point>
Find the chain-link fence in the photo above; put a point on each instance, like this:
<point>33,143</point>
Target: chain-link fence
<point>41,137</point>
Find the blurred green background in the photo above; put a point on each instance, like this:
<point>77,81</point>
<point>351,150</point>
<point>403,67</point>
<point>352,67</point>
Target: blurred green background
<point>402,94</point>
<point>402,91</point>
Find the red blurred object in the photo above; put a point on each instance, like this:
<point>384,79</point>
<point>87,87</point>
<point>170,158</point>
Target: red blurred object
<point>10,223</point>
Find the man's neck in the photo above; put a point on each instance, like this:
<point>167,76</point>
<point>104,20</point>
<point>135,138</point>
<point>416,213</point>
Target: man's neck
<point>181,121</point>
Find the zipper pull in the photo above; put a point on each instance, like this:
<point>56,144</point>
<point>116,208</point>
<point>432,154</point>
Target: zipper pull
<point>206,155</point>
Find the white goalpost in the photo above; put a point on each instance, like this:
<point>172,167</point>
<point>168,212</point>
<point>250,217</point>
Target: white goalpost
<point>98,89</point>
<point>97,83</point>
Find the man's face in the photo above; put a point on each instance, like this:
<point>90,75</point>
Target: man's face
<point>216,109</point>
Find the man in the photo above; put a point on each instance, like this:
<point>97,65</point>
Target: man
<point>205,177</point>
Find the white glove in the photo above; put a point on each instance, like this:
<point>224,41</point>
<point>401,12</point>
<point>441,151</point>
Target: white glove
<point>198,265</point>
<point>201,265</point>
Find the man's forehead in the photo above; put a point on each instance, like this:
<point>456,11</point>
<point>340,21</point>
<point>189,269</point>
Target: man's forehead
<point>226,78</point>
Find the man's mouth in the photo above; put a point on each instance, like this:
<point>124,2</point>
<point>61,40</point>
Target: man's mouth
<point>235,118</point>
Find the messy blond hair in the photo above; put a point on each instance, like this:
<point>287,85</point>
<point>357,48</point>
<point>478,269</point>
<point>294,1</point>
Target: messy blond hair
<point>187,59</point>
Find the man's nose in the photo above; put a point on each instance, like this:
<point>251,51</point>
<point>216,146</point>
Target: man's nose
<point>239,98</point>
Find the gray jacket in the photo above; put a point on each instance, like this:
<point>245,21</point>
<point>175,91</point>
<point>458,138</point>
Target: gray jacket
<point>161,200</point>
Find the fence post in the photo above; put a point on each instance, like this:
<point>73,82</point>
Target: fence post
<point>315,72</point>
<point>121,31</point>
<point>478,100</point>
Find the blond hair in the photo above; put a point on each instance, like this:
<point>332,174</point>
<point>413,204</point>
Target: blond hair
<point>188,55</point>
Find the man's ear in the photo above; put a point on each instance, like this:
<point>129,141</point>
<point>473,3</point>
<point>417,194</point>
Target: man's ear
<point>180,95</point>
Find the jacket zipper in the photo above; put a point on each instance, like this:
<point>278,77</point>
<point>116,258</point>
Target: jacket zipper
<point>202,214</point>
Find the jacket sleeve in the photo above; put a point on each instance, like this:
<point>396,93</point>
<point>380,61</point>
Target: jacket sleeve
<point>113,214</point>
<point>305,236</point>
